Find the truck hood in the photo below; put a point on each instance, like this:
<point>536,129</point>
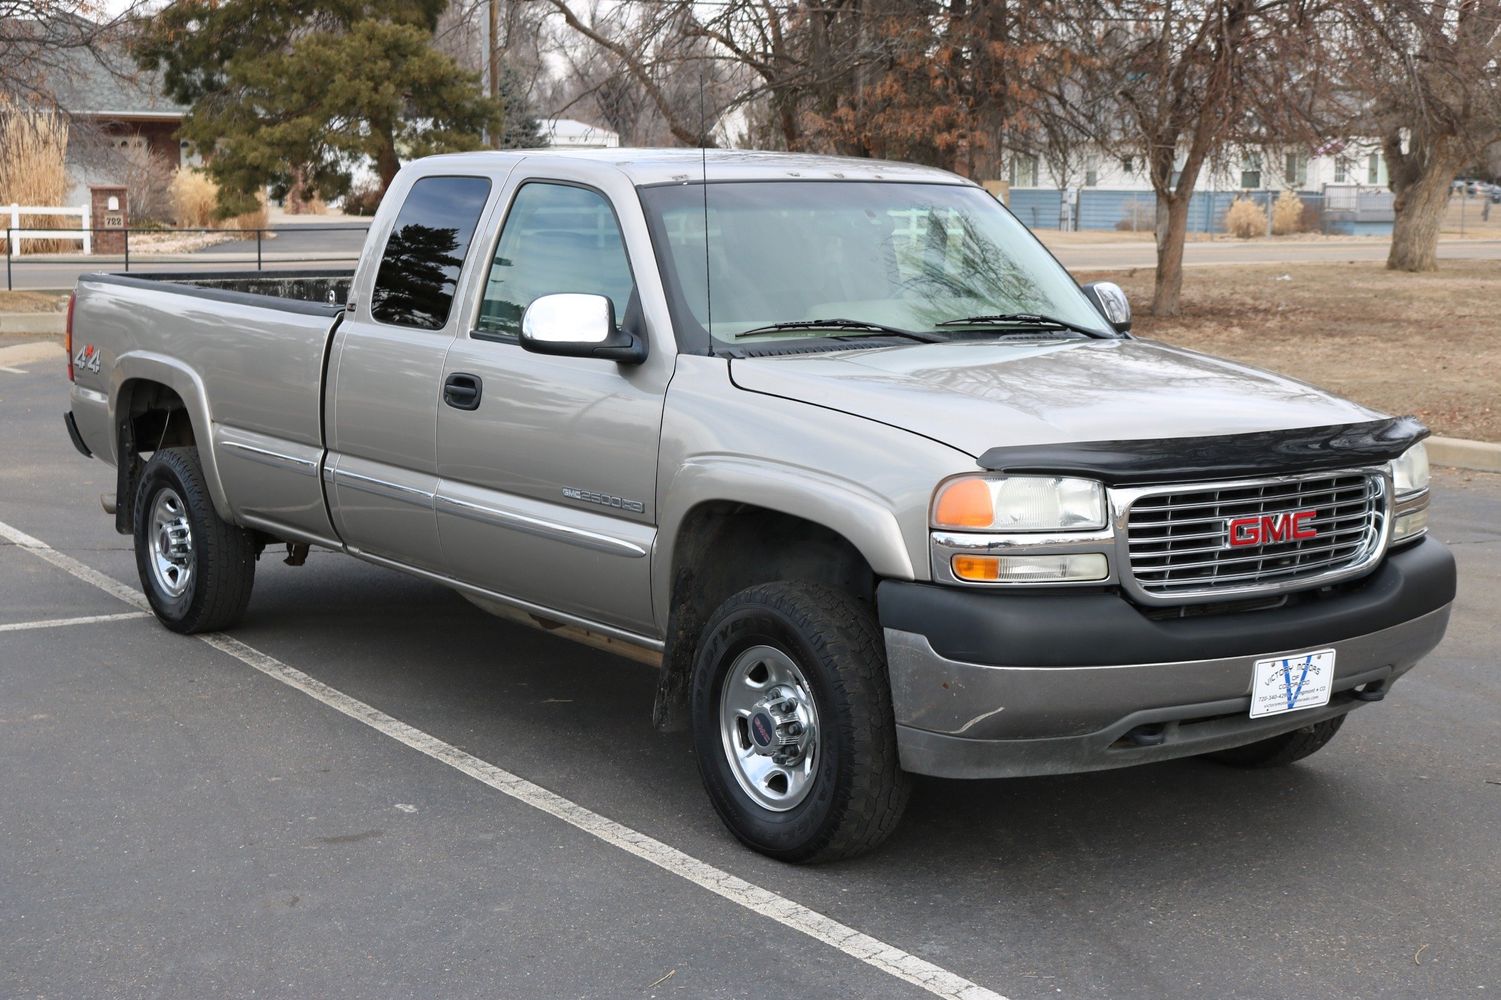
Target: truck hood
<point>976,396</point>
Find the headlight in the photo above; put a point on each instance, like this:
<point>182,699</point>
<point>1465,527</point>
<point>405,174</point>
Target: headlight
<point>1410,470</point>
<point>1020,503</point>
<point>1410,483</point>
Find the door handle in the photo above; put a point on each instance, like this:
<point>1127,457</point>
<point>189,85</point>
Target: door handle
<point>462,391</point>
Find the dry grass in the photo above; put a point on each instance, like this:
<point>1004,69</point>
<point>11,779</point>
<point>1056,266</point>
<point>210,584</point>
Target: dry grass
<point>1287,214</point>
<point>1244,218</point>
<point>1424,344</point>
<point>33,153</point>
<point>195,197</point>
<point>33,302</point>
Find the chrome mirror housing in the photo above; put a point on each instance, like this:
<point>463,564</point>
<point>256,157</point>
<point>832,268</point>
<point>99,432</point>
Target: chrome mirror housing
<point>577,325</point>
<point>1112,303</point>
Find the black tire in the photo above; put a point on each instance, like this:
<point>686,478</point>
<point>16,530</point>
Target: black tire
<point>1283,749</point>
<point>221,555</point>
<point>857,791</point>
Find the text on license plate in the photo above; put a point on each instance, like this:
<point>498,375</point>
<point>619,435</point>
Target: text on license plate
<point>1287,683</point>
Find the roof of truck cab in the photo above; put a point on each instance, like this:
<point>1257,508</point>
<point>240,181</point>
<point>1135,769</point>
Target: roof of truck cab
<point>675,166</point>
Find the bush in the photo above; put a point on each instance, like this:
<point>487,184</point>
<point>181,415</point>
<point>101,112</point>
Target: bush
<point>33,156</point>
<point>194,196</point>
<point>1138,216</point>
<point>1287,214</point>
<point>363,198</point>
<point>1245,219</point>
<point>147,177</point>
<point>195,204</point>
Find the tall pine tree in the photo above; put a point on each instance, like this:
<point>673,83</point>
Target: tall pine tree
<point>288,92</point>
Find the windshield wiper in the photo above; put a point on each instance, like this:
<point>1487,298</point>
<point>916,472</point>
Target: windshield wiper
<point>864,329</point>
<point>1022,319</point>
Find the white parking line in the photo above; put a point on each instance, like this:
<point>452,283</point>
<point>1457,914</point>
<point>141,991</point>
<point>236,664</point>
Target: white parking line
<point>876,953</point>
<point>65,622</point>
<point>13,371</point>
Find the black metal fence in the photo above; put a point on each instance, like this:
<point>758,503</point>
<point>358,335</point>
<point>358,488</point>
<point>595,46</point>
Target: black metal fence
<point>147,255</point>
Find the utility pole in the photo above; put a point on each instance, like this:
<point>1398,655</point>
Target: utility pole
<point>492,36</point>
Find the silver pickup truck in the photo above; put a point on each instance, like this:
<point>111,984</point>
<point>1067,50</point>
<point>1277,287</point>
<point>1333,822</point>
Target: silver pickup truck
<point>835,443</point>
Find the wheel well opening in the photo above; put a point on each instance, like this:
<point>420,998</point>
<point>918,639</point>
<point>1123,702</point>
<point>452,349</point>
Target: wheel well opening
<point>149,416</point>
<point>724,547</point>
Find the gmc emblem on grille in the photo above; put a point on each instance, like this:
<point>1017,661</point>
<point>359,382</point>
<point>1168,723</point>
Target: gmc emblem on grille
<point>1264,529</point>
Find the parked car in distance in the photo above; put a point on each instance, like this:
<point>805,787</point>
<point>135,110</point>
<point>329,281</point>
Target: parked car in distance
<point>835,443</point>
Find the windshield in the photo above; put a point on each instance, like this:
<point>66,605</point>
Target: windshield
<point>807,255</point>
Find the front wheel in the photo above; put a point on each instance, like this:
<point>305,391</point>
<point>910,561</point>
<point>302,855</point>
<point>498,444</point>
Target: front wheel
<point>196,569</point>
<point>793,724</point>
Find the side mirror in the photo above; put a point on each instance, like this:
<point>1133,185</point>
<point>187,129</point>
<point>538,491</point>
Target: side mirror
<point>1112,304</point>
<point>574,325</point>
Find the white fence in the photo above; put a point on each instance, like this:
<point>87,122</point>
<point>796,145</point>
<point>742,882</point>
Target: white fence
<point>84,231</point>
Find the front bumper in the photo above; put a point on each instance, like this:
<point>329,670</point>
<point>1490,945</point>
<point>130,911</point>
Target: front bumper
<point>999,685</point>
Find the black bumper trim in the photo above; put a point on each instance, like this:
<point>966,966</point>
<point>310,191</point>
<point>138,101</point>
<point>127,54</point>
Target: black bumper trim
<point>1225,456</point>
<point>76,437</point>
<point>1093,629</point>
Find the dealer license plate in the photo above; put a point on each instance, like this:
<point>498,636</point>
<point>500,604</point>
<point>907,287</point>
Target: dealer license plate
<point>1288,683</point>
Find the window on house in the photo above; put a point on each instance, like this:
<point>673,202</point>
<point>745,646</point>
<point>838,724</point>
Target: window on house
<point>1373,169</point>
<point>1092,171</point>
<point>1128,165</point>
<point>1250,171</point>
<point>1023,170</point>
<point>1295,169</point>
<point>1341,170</point>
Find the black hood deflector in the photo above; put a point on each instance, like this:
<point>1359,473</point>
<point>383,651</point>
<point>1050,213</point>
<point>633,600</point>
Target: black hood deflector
<point>1228,456</point>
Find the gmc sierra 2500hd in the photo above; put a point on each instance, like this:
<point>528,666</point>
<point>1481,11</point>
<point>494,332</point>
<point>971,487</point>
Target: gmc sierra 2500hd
<point>836,443</point>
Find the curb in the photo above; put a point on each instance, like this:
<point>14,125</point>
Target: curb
<point>46,323</point>
<point>1482,456</point>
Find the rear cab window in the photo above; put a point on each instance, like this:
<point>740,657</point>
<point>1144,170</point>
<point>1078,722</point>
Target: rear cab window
<point>420,266</point>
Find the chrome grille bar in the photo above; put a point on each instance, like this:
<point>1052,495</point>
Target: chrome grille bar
<point>1177,539</point>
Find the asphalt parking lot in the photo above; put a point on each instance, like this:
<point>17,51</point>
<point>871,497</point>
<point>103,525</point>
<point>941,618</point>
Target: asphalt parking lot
<point>372,789</point>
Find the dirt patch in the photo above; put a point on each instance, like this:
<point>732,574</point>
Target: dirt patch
<point>1425,344</point>
<point>33,302</point>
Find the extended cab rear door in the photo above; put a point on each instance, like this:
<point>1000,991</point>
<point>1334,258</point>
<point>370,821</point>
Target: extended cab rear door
<point>547,481</point>
<point>386,369</point>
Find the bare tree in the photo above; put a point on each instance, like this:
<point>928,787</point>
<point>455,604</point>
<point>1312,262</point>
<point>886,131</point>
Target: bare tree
<point>41,39</point>
<point>1429,72</point>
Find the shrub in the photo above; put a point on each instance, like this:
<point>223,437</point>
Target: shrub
<point>194,197</point>
<point>147,177</point>
<point>363,198</point>
<point>33,171</point>
<point>254,219</point>
<point>1138,216</point>
<point>1245,219</point>
<point>1287,213</point>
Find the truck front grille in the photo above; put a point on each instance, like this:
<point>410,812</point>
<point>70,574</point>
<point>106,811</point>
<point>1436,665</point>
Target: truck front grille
<point>1180,538</point>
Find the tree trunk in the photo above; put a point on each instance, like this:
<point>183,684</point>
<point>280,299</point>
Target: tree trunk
<point>1420,206</point>
<point>387,163</point>
<point>1172,230</point>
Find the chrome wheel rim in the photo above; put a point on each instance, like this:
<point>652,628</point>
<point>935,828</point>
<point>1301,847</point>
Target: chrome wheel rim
<point>768,724</point>
<point>171,544</point>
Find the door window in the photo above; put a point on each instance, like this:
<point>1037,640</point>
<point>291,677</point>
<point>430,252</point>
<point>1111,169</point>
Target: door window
<point>557,238</point>
<point>419,269</point>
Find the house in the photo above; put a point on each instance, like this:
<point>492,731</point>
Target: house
<point>1344,180</point>
<point>573,134</point>
<point>120,121</point>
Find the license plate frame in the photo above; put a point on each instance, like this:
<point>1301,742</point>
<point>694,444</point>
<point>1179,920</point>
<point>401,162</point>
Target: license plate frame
<point>1292,683</point>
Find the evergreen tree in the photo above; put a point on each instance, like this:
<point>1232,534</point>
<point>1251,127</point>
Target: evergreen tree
<point>284,91</point>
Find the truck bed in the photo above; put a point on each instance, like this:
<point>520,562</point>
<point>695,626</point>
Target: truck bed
<point>317,292</point>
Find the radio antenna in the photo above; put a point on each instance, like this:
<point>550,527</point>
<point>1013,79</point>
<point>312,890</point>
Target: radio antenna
<point>703,163</point>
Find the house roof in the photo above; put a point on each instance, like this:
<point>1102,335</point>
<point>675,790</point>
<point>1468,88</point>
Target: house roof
<point>109,86</point>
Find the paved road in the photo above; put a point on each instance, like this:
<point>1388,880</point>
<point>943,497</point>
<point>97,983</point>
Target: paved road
<point>341,250</point>
<point>179,824</point>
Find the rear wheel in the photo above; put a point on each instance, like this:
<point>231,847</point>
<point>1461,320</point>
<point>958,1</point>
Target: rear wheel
<point>1283,749</point>
<point>196,569</point>
<point>793,725</point>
